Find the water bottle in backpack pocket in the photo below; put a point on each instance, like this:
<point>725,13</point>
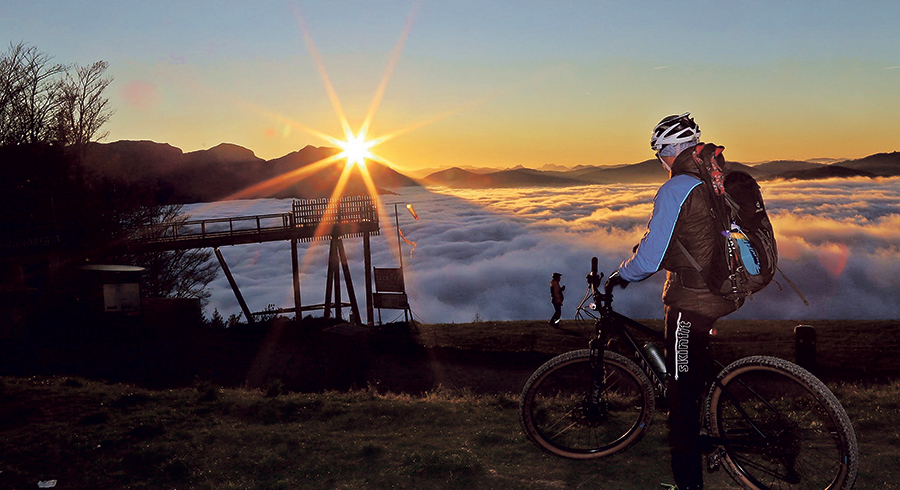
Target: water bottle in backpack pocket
<point>748,254</point>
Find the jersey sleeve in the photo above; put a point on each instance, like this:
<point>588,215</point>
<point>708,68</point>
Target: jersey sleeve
<point>648,257</point>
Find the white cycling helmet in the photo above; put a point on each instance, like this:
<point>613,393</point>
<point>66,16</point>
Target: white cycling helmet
<point>673,130</point>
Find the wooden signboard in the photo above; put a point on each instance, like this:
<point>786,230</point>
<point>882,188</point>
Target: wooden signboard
<point>389,280</point>
<point>390,301</point>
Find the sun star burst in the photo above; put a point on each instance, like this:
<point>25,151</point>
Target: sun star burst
<point>355,149</point>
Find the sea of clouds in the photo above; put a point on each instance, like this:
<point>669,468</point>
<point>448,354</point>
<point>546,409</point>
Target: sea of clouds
<point>489,254</point>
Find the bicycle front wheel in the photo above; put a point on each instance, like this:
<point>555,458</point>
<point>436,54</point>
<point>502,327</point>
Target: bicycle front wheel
<point>779,427</point>
<point>555,410</point>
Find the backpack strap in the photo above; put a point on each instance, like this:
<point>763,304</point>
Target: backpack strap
<point>709,161</point>
<point>793,286</point>
<point>688,256</point>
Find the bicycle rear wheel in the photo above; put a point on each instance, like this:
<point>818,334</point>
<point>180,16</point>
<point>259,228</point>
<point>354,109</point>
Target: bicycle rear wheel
<point>555,413</point>
<point>779,427</point>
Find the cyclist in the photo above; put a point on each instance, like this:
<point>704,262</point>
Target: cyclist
<point>681,211</point>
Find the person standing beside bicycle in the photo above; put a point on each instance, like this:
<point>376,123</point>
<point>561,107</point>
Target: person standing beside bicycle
<point>681,213</point>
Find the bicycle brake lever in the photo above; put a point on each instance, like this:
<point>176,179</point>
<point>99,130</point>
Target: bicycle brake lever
<point>594,279</point>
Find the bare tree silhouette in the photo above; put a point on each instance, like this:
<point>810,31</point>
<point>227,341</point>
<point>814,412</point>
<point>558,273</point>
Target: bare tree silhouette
<point>29,95</point>
<point>83,109</point>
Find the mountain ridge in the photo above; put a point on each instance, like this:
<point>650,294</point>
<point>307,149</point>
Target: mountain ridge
<point>228,170</point>
<point>650,171</point>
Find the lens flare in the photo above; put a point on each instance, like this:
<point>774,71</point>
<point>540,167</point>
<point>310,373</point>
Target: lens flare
<point>356,149</point>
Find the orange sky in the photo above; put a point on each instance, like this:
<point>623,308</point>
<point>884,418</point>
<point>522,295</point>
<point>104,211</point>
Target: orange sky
<point>498,84</point>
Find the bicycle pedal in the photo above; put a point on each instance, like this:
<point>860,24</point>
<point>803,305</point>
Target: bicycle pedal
<point>714,461</point>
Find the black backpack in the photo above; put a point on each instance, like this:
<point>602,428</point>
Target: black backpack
<point>747,257</point>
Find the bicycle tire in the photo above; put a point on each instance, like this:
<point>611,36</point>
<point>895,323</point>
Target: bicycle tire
<point>810,443</point>
<point>552,408</point>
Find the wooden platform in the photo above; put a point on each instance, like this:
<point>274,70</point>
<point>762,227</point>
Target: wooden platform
<point>309,220</point>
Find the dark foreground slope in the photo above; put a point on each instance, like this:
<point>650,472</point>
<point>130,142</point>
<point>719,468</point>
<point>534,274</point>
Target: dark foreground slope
<point>313,355</point>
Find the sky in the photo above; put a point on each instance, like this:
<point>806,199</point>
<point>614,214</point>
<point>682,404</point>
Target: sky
<point>489,254</point>
<point>498,84</point>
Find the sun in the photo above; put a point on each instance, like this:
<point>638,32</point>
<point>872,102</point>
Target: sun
<point>355,149</point>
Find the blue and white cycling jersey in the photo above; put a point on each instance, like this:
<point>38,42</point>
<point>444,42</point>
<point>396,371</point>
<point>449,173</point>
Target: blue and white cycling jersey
<point>666,208</point>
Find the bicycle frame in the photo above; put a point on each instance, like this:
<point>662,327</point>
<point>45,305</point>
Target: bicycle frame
<point>610,324</point>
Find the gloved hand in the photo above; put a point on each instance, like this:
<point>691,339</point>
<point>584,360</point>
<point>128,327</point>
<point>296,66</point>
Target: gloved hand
<point>614,280</point>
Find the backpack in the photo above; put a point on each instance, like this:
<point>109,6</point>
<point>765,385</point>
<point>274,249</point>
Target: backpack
<point>747,256</point>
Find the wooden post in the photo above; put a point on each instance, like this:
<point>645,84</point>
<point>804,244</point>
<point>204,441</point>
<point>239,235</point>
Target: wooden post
<point>397,224</point>
<point>805,344</point>
<point>335,243</point>
<point>234,287</point>
<point>351,294</point>
<point>328,281</point>
<point>367,252</point>
<point>295,273</point>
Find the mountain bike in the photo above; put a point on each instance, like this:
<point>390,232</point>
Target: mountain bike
<point>770,423</point>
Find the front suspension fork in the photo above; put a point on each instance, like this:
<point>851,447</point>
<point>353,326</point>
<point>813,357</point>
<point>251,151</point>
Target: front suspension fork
<point>596,405</point>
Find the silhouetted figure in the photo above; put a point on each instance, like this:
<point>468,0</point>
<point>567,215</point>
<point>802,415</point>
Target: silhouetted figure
<point>556,297</point>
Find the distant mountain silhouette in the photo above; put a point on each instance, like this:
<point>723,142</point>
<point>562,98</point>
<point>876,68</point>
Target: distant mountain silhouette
<point>883,164</point>
<point>515,177</point>
<point>646,172</point>
<point>224,153</point>
<point>781,166</point>
<point>650,171</point>
<point>422,173</point>
<point>227,169</point>
<point>457,177</point>
<point>877,165</point>
<point>822,172</point>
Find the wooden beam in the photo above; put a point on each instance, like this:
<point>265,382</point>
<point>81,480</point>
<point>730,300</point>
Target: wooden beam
<point>329,283</point>
<point>234,286</point>
<point>367,259</point>
<point>351,294</point>
<point>335,241</point>
<point>295,274</point>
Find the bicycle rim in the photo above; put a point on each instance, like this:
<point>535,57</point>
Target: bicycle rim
<point>555,414</point>
<point>782,428</point>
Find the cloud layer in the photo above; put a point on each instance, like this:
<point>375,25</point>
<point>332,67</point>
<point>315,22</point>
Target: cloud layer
<point>489,254</point>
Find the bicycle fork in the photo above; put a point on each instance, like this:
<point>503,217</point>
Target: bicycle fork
<point>597,406</point>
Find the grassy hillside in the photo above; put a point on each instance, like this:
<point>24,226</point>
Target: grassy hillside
<point>456,426</point>
<point>96,435</point>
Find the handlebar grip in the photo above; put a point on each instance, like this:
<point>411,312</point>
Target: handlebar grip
<point>594,265</point>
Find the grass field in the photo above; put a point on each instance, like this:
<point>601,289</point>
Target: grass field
<point>90,433</point>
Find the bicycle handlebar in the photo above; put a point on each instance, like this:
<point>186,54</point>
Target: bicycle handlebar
<point>594,280</point>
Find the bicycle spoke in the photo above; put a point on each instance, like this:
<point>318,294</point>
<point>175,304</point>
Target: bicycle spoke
<point>558,417</point>
<point>778,431</point>
<point>551,429</point>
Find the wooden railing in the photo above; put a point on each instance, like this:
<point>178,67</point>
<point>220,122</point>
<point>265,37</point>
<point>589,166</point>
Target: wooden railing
<point>218,227</point>
<point>309,219</point>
